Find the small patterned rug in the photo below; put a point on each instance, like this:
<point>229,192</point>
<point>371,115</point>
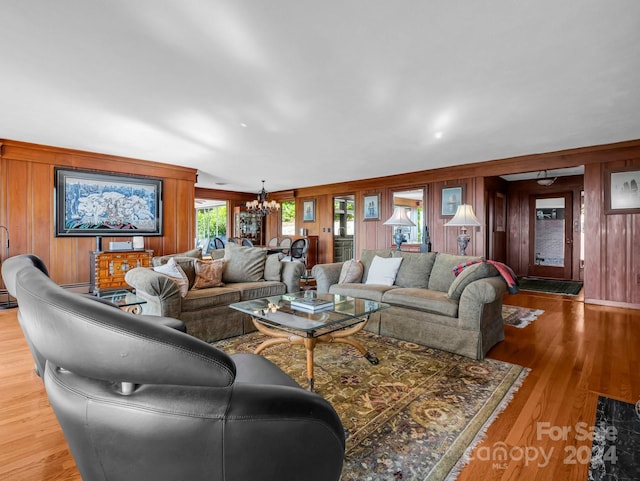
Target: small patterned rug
<point>415,415</point>
<point>519,316</point>
<point>550,286</point>
<point>615,453</point>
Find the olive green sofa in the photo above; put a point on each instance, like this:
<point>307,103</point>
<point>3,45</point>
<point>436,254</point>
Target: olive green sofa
<point>429,304</point>
<point>248,273</point>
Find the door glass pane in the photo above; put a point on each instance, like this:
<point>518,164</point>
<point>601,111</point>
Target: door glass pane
<point>549,232</point>
<point>211,222</point>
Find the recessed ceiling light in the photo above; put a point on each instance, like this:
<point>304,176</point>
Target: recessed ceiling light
<point>438,135</point>
<point>242,124</point>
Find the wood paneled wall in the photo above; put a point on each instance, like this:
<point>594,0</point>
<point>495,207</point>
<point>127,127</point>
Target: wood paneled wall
<point>27,205</point>
<point>612,264</point>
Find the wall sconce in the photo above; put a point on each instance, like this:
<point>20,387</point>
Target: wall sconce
<point>464,218</point>
<point>399,219</point>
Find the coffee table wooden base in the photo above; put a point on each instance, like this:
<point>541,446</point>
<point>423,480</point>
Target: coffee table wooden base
<point>342,336</point>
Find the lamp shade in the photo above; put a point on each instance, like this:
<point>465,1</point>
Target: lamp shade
<point>464,217</point>
<point>399,217</point>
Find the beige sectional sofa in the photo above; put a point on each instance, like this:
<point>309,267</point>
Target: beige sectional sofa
<point>429,304</point>
<point>248,273</point>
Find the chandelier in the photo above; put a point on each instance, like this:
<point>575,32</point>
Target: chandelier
<point>262,206</point>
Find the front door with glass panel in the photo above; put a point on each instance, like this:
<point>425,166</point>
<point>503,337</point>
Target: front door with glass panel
<point>551,235</point>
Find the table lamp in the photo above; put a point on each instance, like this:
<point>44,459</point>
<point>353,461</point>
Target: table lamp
<point>464,218</point>
<point>399,219</point>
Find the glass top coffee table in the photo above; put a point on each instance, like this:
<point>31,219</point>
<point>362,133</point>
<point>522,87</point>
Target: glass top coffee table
<point>337,321</point>
<point>125,300</point>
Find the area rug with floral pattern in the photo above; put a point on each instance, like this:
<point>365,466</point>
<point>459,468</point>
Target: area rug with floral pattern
<point>415,415</point>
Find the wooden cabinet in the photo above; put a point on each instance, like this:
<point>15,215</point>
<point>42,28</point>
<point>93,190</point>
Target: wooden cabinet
<point>108,268</point>
<point>248,225</point>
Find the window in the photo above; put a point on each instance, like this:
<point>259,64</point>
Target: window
<point>211,221</point>
<point>288,212</point>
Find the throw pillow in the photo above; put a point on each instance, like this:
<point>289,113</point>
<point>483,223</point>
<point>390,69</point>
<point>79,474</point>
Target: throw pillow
<point>273,267</point>
<point>243,264</point>
<point>173,270</point>
<point>352,271</point>
<point>415,269</point>
<point>383,271</point>
<point>208,273</point>
<point>467,276</point>
<point>367,256</point>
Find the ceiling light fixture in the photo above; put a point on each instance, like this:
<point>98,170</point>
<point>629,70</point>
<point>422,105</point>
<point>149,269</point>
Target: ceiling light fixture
<point>544,180</point>
<point>262,206</point>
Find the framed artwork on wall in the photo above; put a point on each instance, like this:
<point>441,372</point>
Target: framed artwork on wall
<point>371,207</point>
<point>90,203</point>
<point>451,199</point>
<point>621,194</point>
<point>309,211</point>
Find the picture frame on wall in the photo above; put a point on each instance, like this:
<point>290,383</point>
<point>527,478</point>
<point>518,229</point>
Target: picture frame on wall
<point>371,207</point>
<point>309,211</point>
<point>92,203</point>
<point>451,199</point>
<point>621,191</point>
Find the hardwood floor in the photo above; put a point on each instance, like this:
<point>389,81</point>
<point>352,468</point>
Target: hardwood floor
<point>575,352</point>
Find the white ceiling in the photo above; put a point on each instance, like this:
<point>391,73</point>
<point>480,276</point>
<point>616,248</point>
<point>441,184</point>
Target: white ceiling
<point>304,93</point>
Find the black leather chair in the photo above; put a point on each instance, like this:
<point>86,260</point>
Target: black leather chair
<point>20,261</point>
<point>138,400</point>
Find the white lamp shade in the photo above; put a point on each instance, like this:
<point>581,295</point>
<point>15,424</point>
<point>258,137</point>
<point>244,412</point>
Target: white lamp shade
<point>464,217</point>
<point>399,217</point>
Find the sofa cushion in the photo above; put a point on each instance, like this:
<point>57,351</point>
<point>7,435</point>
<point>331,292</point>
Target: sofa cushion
<point>208,273</point>
<point>426,300</point>
<point>373,292</point>
<point>185,263</point>
<point>415,268</point>
<point>367,257</point>
<point>201,299</point>
<point>243,264</point>
<point>442,276</point>
<point>173,270</point>
<point>255,290</point>
<point>467,276</point>
<point>383,270</point>
<point>351,271</point>
<point>273,267</point>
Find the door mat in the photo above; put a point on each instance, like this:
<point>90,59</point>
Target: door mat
<point>517,316</point>
<point>551,286</point>
<point>415,415</point>
<point>615,452</point>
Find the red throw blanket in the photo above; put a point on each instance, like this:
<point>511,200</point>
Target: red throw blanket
<point>504,270</point>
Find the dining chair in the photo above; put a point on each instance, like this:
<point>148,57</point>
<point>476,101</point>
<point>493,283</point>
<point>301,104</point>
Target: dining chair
<point>273,242</point>
<point>218,243</point>
<point>246,242</point>
<point>285,243</point>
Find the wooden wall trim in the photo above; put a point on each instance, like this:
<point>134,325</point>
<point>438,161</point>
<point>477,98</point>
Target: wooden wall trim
<point>16,150</point>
